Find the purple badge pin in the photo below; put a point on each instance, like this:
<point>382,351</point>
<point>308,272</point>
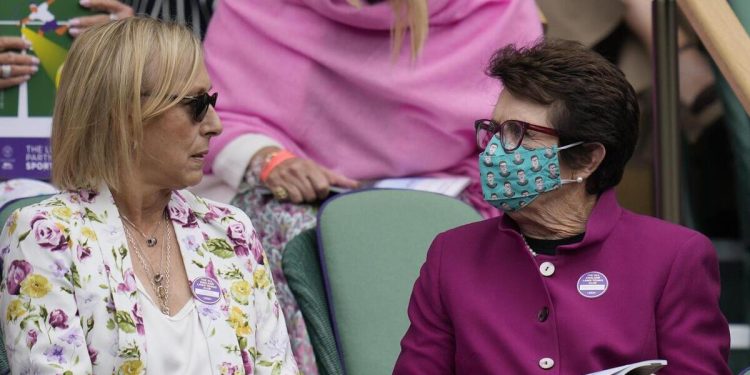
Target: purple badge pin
<point>592,284</point>
<point>206,290</point>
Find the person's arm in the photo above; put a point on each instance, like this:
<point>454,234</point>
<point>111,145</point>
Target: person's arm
<point>429,344</point>
<point>233,163</point>
<point>692,333</point>
<point>38,310</point>
<point>244,159</point>
<point>247,113</point>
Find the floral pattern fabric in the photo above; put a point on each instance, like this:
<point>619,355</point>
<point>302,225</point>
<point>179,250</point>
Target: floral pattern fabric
<point>68,302</point>
<point>276,224</point>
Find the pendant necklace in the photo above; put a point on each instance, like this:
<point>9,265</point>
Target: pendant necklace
<point>150,240</point>
<point>159,280</point>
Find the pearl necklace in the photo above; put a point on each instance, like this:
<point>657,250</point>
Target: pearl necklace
<point>533,253</point>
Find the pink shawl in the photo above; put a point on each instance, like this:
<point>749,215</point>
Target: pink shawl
<point>318,76</point>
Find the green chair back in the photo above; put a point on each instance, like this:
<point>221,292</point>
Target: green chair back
<point>372,244</point>
<point>301,266</point>
<point>11,206</point>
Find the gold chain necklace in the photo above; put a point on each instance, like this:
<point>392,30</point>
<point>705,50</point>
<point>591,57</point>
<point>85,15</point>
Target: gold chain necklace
<point>159,281</point>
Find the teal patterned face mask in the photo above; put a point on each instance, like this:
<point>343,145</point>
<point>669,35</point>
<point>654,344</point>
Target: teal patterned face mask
<point>511,180</point>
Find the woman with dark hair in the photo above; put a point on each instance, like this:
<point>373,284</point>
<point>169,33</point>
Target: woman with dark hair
<point>566,280</point>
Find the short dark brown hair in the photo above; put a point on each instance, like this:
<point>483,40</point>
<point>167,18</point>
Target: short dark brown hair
<point>590,98</point>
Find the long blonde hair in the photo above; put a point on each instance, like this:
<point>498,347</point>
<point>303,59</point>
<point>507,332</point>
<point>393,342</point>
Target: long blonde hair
<point>117,78</point>
<point>409,15</point>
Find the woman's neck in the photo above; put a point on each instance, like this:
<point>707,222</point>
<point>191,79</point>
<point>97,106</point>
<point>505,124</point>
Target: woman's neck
<point>557,216</point>
<point>141,204</point>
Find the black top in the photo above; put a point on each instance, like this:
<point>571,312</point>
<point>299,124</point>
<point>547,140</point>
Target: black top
<point>195,14</point>
<point>549,247</point>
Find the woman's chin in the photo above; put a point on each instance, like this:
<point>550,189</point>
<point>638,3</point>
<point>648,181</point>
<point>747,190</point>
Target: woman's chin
<point>186,180</point>
<point>194,178</point>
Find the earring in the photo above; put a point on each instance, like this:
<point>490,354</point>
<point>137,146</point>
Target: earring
<point>579,179</point>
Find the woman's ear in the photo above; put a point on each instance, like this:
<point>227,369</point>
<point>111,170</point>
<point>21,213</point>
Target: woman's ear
<point>596,153</point>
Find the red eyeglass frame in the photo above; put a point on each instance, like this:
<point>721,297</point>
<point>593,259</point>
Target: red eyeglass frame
<point>492,127</point>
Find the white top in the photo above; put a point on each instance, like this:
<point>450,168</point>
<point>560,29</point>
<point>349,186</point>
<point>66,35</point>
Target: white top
<point>175,344</point>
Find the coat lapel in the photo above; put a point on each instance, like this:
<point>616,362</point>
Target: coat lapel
<point>100,212</point>
<point>204,250</point>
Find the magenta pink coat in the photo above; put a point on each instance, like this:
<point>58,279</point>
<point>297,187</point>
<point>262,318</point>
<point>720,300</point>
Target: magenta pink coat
<point>481,304</point>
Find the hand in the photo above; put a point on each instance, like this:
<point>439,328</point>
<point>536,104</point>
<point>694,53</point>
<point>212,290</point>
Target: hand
<point>305,180</point>
<point>115,9</point>
<point>21,66</point>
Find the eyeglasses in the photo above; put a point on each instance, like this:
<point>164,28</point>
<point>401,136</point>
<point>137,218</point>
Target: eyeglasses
<point>510,132</point>
<point>199,104</point>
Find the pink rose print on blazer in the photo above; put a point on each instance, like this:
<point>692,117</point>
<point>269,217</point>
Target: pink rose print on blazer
<point>256,247</point>
<point>47,234</point>
<point>87,196</point>
<point>236,234</point>
<point>215,213</point>
<point>17,273</point>
<point>128,284</point>
<point>31,337</point>
<point>183,216</point>
<point>58,319</point>
<point>138,319</point>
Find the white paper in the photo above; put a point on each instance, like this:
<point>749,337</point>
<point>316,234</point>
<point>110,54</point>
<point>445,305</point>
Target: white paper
<point>639,368</point>
<point>451,186</point>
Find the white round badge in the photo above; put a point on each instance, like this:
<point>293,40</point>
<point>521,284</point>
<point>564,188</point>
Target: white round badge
<point>592,284</point>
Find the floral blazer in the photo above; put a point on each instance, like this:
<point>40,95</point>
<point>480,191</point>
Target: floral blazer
<point>68,302</point>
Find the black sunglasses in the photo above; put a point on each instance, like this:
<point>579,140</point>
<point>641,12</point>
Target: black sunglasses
<point>199,104</point>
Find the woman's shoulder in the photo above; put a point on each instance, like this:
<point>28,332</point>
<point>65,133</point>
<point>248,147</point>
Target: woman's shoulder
<point>657,236</point>
<point>47,222</point>
<point>651,226</point>
<point>60,205</point>
<point>209,210</point>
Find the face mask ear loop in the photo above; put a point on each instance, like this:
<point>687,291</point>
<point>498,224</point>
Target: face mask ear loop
<point>570,145</point>
<point>578,180</point>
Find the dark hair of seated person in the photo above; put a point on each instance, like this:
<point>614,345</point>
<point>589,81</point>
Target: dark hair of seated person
<point>590,98</point>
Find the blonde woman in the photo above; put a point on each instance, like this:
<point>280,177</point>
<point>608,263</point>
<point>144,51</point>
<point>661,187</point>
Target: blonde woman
<point>324,93</point>
<point>125,272</point>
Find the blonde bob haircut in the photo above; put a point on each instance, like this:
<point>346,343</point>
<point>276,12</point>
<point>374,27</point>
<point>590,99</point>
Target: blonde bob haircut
<point>117,79</point>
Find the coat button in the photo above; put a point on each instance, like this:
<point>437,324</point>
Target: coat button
<point>543,314</point>
<point>546,363</point>
<point>547,269</point>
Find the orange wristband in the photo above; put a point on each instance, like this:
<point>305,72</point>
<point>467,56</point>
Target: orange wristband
<point>277,159</point>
